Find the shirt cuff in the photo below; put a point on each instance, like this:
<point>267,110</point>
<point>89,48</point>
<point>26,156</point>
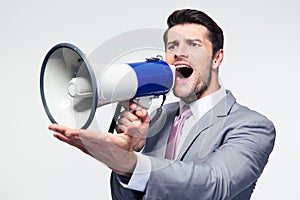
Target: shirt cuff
<point>140,176</point>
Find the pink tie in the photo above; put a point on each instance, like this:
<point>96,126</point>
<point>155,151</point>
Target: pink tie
<point>176,130</point>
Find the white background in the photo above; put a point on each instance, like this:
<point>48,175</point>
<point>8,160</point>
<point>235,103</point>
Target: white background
<point>260,68</point>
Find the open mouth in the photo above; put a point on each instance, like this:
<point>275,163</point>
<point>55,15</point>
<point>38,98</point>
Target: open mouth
<point>184,71</point>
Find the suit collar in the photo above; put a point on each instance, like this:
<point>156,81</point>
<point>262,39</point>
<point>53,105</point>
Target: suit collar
<point>206,103</point>
<point>219,111</point>
<point>158,134</point>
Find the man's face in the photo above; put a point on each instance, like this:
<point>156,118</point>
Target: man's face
<point>189,49</point>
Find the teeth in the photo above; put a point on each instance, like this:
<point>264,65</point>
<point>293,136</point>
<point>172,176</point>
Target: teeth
<point>181,66</point>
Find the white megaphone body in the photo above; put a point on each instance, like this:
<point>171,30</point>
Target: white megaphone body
<point>71,91</point>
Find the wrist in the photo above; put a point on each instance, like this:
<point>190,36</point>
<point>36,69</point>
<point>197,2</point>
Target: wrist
<point>129,165</point>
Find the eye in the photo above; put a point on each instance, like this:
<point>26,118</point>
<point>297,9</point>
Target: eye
<point>172,47</point>
<point>194,44</point>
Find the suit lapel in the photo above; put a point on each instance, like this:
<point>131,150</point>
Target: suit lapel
<point>217,113</point>
<point>158,134</point>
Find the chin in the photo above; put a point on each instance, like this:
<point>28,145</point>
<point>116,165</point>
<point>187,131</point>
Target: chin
<point>182,94</point>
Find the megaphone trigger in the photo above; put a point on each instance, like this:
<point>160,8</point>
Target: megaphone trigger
<point>143,102</point>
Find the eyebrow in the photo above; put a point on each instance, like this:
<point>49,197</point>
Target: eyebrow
<point>186,40</point>
<point>195,40</point>
<point>172,42</point>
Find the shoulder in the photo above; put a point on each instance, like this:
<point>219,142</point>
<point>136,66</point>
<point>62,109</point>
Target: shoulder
<point>246,126</point>
<point>243,114</point>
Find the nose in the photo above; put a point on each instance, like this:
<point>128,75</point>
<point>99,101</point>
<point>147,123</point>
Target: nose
<point>181,52</point>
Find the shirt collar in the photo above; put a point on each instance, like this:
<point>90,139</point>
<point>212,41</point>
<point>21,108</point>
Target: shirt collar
<point>204,104</point>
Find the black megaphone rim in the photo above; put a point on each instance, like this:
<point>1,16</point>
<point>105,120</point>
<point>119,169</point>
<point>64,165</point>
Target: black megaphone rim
<point>92,76</point>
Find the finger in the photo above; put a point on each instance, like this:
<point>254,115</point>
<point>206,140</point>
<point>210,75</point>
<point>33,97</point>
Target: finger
<point>62,137</point>
<point>118,129</point>
<point>64,130</point>
<point>75,143</point>
<point>132,106</point>
<point>128,115</point>
<point>58,128</point>
<point>124,124</point>
<point>125,114</point>
<point>121,128</point>
<point>124,121</point>
<point>129,105</point>
<point>143,115</point>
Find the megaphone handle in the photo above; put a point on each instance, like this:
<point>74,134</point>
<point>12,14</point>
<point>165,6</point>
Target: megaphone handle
<point>118,111</point>
<point>115,118</point>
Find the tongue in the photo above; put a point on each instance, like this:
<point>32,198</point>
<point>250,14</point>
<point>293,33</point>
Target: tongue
<point>185,71</point>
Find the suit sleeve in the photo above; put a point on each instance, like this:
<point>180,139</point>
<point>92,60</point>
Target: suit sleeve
<point>226,172</point>
<point>118,192</point>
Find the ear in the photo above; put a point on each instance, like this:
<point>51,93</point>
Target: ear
<point>218,59</point>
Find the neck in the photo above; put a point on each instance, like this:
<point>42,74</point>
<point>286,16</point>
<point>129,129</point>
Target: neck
<point>211,88</point>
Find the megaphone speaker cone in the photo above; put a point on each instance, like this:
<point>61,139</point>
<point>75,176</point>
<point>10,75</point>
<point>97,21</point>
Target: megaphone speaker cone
<point>68,87</point>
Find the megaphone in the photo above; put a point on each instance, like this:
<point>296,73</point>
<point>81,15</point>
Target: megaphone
<point>70,88</point>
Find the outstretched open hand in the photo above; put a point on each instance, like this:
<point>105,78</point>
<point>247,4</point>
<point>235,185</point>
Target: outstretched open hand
<point>114,150</point>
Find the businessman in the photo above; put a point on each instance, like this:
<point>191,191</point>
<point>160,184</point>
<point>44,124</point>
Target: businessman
<point>206,146</point>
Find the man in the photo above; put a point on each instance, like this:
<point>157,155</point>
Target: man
<point>220,149</point>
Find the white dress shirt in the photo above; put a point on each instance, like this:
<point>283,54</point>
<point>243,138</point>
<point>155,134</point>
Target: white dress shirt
<point>141,173</point>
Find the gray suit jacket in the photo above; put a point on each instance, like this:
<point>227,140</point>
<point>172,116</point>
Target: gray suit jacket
<point>222,157</point>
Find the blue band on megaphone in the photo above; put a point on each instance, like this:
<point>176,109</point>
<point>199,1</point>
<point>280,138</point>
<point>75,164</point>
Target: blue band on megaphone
<point>154,78</point>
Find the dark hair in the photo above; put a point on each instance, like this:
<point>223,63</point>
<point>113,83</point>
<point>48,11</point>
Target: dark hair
<point>186,16</point>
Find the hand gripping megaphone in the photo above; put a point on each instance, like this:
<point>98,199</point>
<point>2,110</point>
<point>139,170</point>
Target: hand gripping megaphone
<point>70,89</point>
